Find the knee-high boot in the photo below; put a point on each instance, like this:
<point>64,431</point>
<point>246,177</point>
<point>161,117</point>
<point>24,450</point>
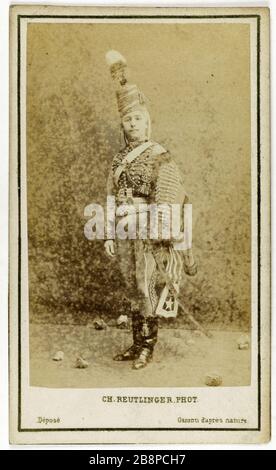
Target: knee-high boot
<point>133,351</point>
<point>149,339</point>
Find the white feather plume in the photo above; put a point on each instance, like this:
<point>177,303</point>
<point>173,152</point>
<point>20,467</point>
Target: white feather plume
<point>114,57</point>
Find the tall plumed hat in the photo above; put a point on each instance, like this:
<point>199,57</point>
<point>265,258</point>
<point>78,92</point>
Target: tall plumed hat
<point>129,97</point>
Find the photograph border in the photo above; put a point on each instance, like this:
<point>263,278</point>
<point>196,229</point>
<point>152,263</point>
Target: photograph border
<point>258,129</point>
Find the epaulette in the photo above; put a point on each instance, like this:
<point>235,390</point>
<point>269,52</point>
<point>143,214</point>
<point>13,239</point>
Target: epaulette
<point>158,149</point>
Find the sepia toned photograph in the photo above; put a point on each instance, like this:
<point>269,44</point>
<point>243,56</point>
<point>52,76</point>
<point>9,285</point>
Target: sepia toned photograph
<point>88,297</point>
<point>136,188</point>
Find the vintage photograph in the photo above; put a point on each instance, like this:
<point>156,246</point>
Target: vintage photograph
<point>138,201</point>
<point>91,299</point>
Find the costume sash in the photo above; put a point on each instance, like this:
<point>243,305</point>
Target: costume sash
<point>130,157</point>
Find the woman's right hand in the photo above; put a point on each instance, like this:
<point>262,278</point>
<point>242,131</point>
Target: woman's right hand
<point>110,248</point>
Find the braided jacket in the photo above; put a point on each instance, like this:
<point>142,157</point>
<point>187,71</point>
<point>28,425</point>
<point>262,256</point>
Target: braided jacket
<point>153,176</point>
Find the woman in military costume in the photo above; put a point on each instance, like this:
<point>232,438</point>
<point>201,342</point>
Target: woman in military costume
<point>144,173</point>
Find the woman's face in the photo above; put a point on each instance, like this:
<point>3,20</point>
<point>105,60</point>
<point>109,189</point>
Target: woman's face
<point>135,126</point>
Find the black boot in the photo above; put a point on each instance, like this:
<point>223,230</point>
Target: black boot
<point>133,351</point>
<point>149,333</point>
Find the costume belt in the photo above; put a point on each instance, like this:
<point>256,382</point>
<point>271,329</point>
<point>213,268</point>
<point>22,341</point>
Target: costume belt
<point>135,202</point>
<point>139,200</point>
<point>129,204</point>
<point>125,196</point>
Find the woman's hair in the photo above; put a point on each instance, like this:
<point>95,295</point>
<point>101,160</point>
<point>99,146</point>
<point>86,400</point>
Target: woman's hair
<point>124,140</point>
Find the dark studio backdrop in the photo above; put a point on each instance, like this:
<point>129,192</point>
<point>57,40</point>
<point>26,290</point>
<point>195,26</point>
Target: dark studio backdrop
<point>197,80</point>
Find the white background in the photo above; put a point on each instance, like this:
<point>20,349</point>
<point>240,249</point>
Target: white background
<point>4,143</point>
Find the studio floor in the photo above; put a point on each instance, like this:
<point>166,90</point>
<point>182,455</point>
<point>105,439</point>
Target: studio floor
<point>182,358</point>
